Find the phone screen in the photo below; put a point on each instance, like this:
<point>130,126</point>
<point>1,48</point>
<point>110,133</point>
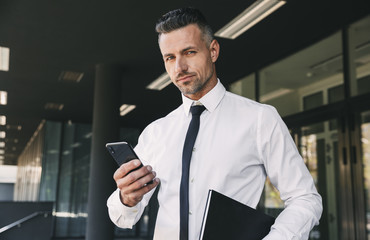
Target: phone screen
<point>121,152</point>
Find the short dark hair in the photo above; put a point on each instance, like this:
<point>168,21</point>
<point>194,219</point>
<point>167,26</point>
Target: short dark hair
<point>182,17</point>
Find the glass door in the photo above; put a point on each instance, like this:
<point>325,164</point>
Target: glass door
<point>337,153</point>
<point>354,172</point>
<point>318,145</point>
<point>364,175</point>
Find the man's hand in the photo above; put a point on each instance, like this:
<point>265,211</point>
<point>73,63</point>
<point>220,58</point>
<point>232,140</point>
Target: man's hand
<point>133,185</point>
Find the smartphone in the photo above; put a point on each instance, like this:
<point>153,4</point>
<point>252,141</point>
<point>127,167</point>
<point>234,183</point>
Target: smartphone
<point>122,152</point>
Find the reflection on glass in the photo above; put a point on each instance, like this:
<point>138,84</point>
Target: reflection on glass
<point>309,154</point>
<point>319,149</point>
<point>71,206</point>
<point>29,168</point>
<point>50,161</point>
<point>289,83</point>
<point>244,87</point>
<point>365,139</point>
<point>308,149</point>
<point>272,198</point>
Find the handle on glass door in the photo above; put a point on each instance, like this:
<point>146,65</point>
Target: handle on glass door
<point>353,155</point>
<point>344,151</point>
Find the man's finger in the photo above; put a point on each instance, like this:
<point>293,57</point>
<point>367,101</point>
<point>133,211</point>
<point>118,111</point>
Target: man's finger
<point>133,198</point>
<point>125,168</point>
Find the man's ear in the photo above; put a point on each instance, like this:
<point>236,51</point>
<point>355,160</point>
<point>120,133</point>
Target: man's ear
<point>214,49</point>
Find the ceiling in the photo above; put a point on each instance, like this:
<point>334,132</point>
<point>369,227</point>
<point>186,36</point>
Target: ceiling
<point>47,37</point>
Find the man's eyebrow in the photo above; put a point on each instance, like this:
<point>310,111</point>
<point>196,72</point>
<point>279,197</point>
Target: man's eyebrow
<point>167,54</point>
<point>188,48</point>
<point>182,51</point>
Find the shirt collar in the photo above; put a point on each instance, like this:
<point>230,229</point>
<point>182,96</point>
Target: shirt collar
<point>210,100</point>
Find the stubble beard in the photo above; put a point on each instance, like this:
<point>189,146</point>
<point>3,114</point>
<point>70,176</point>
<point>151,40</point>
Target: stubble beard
<point>195,86</point>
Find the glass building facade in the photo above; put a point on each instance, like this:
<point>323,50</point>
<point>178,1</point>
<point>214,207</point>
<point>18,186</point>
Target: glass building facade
<point>323,94</point>
<point>55,167</point>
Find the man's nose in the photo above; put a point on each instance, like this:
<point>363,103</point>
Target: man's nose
<point>181,65</point>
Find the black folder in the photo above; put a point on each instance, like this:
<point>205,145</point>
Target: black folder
<point>226,218</point>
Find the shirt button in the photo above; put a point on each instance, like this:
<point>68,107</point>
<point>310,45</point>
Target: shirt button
<point>192,180</point>
<point>190,212</point>
<point>194,149</point>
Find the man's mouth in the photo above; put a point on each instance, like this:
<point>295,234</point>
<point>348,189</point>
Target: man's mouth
<point>184,78</point>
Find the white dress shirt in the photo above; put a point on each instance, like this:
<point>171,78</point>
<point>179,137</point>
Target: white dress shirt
<point>239,142</point>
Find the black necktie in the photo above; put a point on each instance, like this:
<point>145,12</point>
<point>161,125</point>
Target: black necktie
<point>191,135</point>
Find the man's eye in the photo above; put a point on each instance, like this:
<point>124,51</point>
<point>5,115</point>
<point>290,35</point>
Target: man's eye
<point>190,52</point>
<point>169,58</point>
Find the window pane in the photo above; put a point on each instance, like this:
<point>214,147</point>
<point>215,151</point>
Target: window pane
<point>361,41</point>
<point>336,94</point>
<point>301,81</point>
<point>245,87</point>
<point>50,161</point>
<point>313,101</point>
<point>365,139</point>
<point>71,205</point>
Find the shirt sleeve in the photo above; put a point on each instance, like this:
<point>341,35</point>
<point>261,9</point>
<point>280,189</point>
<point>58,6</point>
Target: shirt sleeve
<point>121,215</point>
<point>288,173</point>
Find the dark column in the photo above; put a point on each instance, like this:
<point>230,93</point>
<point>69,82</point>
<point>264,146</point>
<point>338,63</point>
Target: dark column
<point>257,86</point>
<point>349,68</point>
<point>105,128</point>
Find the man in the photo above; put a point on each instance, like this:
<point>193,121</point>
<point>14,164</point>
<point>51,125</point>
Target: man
<point>239,142</point>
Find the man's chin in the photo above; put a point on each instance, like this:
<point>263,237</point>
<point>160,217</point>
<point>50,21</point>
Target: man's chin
<point>188,91</point>
<point>188,88</point>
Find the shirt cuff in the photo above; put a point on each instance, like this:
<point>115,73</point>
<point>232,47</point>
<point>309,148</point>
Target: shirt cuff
<point>275,235</point>
<point>120,214</point>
